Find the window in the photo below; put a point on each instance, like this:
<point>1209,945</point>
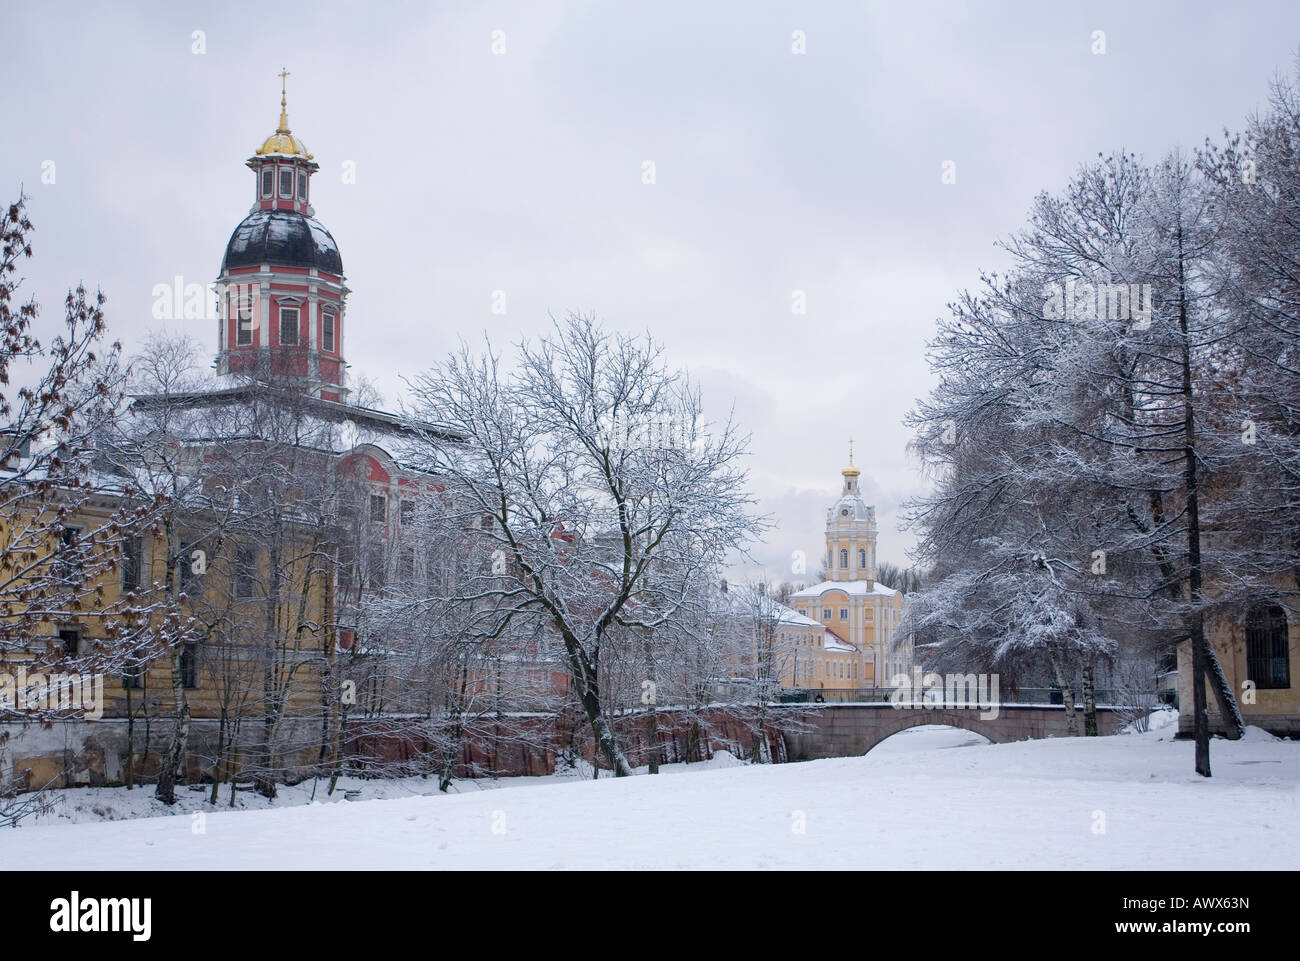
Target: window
<point>406,565</point>
<point>803,611</point>
<point>302,186</point>
<point>190,666</point>
<point>133,677</point>
<point>66,562</point>
<point>826,613</point>
<point>131,561</point>
<point>286,182</point>
<point>69,641</point>
<point>289,326</point>
<point>408,512</point>
<point>327,331</point>
<point>244,321</point>
<point>378,508</point>
<point>268,182</point>
<point>1268,661</point>
<point>862,558</point>
<point>844,613</point>
<point>844,558</point>
<point>245,572</point>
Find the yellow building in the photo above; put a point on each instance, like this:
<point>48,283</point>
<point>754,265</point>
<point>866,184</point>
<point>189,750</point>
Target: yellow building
<point>857,614</point>
<point>1258,654</point>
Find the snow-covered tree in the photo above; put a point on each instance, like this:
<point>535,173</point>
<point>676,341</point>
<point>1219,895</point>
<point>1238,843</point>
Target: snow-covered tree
<point>607,492</point>
<point>58,556</point>
<point>1081,406</point>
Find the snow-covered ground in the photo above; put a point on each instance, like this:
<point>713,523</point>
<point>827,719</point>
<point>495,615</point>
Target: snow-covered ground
<point>928,798</point>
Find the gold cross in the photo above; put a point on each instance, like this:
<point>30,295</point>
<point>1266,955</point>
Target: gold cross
<point>284,117</point>
<point>850,451</point>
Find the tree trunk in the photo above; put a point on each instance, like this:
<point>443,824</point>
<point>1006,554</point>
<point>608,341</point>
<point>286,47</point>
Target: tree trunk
<point>695,749</point>
<point>449,755</point>
<point>652,733</point>
<point>130,742</point>
<point>220,759</point>
<point>1202,654</point>
<point>588,692</point>
<point>174,756</point>
<point>1089,700</point>
<point>1234,726</point>
<point>1067,694</point>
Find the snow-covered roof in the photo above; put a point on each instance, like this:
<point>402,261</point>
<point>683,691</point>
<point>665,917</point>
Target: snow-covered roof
<point>836,643</point>
<point>858,510</point>
<point>743,602</point>
<point>793,618</point>
<point>852,588</point>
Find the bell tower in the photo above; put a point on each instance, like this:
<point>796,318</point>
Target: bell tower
<point>851,532</point>
<point>281,282</point>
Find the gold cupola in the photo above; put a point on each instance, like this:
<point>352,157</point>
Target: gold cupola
<point>850,471</point>
<point>282,143</point>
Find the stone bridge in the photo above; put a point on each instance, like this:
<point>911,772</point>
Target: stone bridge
<point>848,730</point>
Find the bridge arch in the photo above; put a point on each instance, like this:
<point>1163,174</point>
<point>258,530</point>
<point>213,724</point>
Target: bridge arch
<point>851,730</point>
<point>933,723</point>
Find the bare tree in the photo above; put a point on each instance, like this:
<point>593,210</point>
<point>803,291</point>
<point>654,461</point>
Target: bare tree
<point>595,466</point>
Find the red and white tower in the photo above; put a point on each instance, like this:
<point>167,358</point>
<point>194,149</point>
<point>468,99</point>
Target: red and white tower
<point>281,280</point>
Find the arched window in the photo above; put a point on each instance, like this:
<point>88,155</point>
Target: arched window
<point>862,558</point>
<point>1268,661</point>
<point>844,558</point>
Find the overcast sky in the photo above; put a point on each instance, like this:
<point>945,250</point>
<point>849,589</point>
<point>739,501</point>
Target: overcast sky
<point>522,172</point>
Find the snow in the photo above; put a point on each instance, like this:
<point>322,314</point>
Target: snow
<point>931,798</point>
<point>852,588</point>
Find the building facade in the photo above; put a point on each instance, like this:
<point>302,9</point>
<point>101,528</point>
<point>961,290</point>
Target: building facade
<point>1259,653</point>
<point>858,616</point>
<point>281,284</point>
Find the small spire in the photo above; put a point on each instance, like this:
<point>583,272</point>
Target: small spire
<point>284,116</point>
<point>850,472</point>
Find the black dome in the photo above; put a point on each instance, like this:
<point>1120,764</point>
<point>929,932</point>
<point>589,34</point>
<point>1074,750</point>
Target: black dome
<point>282,237</point>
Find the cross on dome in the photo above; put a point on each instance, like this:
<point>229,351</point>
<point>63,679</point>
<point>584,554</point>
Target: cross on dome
<point>282,142</point>
<point>850,471</point>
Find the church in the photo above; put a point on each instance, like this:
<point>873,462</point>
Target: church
<point>857,613</point>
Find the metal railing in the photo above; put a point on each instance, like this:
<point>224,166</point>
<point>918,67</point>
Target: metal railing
<point>875,695</point>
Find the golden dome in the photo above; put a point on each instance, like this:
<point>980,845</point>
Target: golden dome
<point>282,142</point>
